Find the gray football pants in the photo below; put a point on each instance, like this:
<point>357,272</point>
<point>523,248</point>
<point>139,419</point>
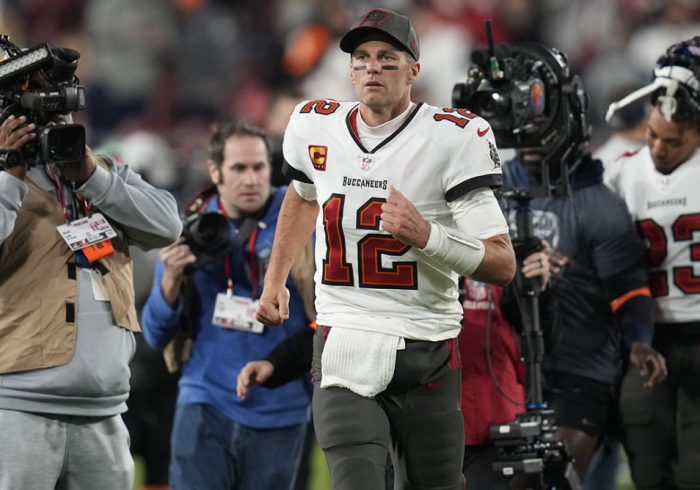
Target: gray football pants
<point>416,420</point>
<point>63,452</point>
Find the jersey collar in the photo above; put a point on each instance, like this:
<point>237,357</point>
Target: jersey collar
<point>351,123</point>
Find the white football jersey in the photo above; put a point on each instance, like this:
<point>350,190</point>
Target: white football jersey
<point>365,278</point>
<point>667,211</point>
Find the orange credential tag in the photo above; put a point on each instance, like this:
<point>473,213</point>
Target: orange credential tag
<point>98,251</point>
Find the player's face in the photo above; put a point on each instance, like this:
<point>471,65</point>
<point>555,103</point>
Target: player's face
<point>670,144</point>
<point>382,75</point>
<point>243,180</point>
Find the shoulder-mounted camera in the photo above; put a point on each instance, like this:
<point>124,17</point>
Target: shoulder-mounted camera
<point>40,84</point>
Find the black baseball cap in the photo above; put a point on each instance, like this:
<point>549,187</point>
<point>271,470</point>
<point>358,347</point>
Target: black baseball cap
<point>397,27</point>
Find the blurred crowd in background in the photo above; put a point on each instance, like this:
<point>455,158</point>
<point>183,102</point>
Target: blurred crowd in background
<point>158,73</point>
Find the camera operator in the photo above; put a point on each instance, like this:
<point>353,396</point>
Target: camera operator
<point>218,440</point>
<point>599,284</point>
<point>67,314</point>
<point>659,184</point>
<point>601,288</point>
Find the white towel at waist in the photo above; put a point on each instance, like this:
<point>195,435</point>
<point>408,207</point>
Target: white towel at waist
<point>359,360</point>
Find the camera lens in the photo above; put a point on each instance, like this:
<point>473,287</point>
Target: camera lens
<point>212,230</point>
<point>62,144</point>
<point>207,235</point>
<point>489,104</point>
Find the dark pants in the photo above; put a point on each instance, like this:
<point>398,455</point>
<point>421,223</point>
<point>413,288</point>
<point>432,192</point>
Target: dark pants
<point>662,424</point>
<point>416,419</point>
<point>477,469</point>
<point>212,452</point>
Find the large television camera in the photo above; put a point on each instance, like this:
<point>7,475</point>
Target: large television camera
<point>532,102</point>
<point>40,84</point>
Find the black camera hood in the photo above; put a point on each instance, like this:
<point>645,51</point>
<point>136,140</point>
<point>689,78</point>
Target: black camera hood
<point>542,105</point>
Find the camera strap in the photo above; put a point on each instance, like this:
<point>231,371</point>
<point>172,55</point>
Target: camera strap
<point>77,202</point>
<point>12,158</point>
<point>181,344</point>
<point>88,236</point>
<point>56,181</point>
<point>247,232</point>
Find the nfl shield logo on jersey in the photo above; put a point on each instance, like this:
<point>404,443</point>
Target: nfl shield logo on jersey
<point>366,162</point>
<point>318,156</point>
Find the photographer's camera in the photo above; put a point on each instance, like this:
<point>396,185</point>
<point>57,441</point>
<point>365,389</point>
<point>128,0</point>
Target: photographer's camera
<point>208,236</point>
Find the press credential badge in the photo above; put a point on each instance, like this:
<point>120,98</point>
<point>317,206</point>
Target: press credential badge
<point>88,231</point>
<point>237,313</point>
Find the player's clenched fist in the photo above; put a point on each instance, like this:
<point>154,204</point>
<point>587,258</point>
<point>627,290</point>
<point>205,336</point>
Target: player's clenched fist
<point>273,308</point>
<point>401,218</point>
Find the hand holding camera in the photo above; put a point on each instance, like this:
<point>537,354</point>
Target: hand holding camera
<point>80,171</point>
<point>176,258</point>
<point>14,133</point>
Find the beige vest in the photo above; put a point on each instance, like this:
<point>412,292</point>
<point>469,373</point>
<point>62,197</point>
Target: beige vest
<point>39,289</point>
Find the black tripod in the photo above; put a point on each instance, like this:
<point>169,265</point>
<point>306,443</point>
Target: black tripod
<point>528,446</point>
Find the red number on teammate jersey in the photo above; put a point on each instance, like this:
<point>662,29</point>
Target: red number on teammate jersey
<point>461,118</point>
<point>323,107</point>
<point>656,253</point>
<point>370,249</point>
<point>683,229</point>
<point>657,244</point>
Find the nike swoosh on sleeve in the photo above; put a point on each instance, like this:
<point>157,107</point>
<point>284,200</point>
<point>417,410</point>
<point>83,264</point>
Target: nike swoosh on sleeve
<point>482,132</point>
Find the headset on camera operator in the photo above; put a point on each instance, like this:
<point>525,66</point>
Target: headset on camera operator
<point>67,313</point>
<point>599,284</point>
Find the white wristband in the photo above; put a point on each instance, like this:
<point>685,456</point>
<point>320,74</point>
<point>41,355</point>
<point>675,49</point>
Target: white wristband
<point>461,254</point>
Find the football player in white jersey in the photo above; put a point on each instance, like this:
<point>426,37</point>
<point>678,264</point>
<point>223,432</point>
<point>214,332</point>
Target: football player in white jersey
<point>660,185</point>
<point>400,197</point>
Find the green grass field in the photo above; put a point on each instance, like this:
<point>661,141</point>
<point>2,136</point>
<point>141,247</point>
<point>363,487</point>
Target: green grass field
<point>320,480</point>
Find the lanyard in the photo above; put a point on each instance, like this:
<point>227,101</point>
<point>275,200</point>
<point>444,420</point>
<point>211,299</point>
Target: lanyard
<point>59,190</point>
<point>56,181</point>
<point>252,263</point>
<point>85,257</point>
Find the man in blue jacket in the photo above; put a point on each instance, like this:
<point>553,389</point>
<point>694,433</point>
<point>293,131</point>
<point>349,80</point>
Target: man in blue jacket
<point>219,441</point>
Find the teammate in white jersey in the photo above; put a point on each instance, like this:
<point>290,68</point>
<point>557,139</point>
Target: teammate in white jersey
<point>660,185</point>
<point>400,197</point>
